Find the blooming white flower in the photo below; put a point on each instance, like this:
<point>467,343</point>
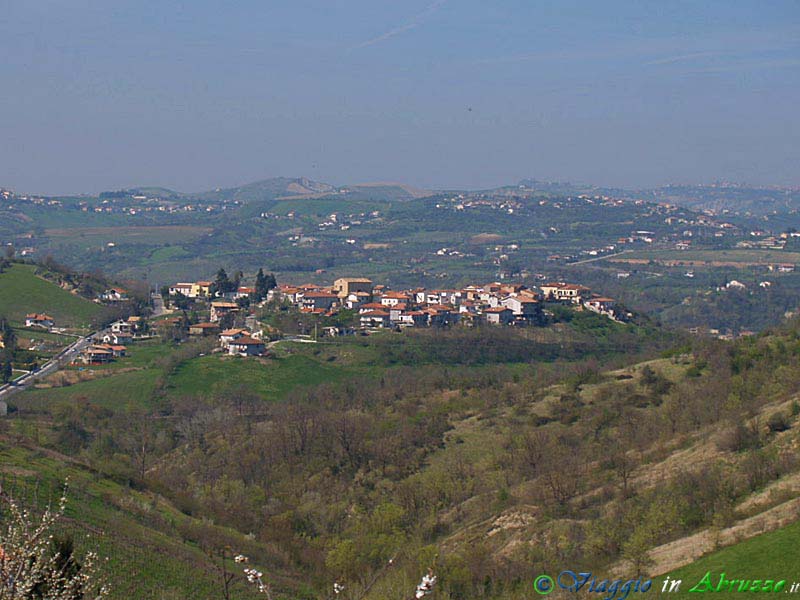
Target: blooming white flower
<point>425,586</point>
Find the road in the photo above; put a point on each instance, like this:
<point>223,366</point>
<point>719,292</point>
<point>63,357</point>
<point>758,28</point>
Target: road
<point>66,356</point>
<point>158,305</point>
<point>596,258</point>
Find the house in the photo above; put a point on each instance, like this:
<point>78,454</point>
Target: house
<point>290,293</point>
<point>39,320</point>
<point>220,308</point>
<point>375,318</point>
<point>500,315</point>
<point>394,298</point>
<point>409,318</point>
<point>244,292</point>
<point>121,327</point>
<point>96,355</point>
<point>230,335</point>
<point>564,292</point>
<point>183,289</point>
<point>371,306</point>
<point>204,329</point>
<point>118,339</point>
<point>115,294</point>
<point>317,300</point>
<point>521,306</point>
<point>600,305</point>
<point>246,346</point>
<point>440,315</point>
<point>357,299</point>
<point>344,286</point>
<point>116,351</point>
<point>136,322</point>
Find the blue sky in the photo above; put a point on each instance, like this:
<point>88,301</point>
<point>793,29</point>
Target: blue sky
<point>103,94</point>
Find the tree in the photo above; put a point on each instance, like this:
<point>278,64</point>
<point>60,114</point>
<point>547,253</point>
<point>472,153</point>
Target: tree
<point>264,283</point>
<point>222,284</point>
<point>37,563</point>
<point>8,335</point>
<point>7,370</point>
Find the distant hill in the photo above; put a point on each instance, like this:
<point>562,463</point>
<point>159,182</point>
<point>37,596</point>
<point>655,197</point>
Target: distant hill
<point>22,291</point>
<point>266,190</point>
<point>390,191</point>
<point>745,199</point>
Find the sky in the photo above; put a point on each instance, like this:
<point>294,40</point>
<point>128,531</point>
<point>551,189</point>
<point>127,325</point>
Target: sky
<point>198,94</point>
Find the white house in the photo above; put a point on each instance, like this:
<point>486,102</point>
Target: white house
<point>246,346</point>
<point>39,320</point>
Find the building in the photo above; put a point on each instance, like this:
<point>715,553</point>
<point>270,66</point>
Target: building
<point>39,320</point>
<point>246,346</point>
<point>564,292</point>
<point>115,294</point>
<point>344,286</point>
<point>499,316</point>
<point>375,318</point>
<point>521,306</point>
<point>183,289</point>
<point>117,339</point>
<point>122,327</point>
<point>220,308</point>
<point>231,335</point>
<point>394,298</point>
<point>317,300</point>
<point>96,355</point>
<point>204,329</point>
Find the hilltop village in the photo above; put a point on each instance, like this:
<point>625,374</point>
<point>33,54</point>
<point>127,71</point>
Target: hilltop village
<point>357,304</point>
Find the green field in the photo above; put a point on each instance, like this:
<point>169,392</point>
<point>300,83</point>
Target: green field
<point>22,292</point>
<point>271,379</point>
<point>143,234</point>
<point>774,555</point>
<point>132,380</point>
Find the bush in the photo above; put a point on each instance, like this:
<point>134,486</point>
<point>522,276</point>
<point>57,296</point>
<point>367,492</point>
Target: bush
<point>778,422</point>
<point>740,437</point>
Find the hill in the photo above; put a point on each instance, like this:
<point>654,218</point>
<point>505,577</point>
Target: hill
<point>771,555</point>
<point>23,291</point>
<point>152,548</point>
<point>265,190</point>
<point>489,454</point>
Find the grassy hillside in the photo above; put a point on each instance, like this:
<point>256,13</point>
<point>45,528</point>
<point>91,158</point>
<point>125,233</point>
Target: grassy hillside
<point>481,453</point>
<point>152,548</point>
<point>772,555</point>
<point>22,292</point>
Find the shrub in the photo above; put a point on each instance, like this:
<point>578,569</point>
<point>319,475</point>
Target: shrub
<point>778,422</point>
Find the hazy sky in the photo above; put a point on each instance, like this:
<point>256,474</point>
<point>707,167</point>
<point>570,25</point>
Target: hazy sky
<point>103,94</point>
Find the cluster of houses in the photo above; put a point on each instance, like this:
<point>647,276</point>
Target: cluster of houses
<point>113,342</point>
<point>202,290</point>
<point>495,303</point>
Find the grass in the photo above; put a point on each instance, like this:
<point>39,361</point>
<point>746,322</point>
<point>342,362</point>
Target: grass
<point>168,253</point>
<point>125,235</point>
<point>147,542</point>
<point>272,378</point>
<point>22,292</point>
<point>772,555</point>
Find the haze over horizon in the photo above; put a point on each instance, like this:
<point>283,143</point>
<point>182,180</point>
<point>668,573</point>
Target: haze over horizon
<point>436,94</point>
